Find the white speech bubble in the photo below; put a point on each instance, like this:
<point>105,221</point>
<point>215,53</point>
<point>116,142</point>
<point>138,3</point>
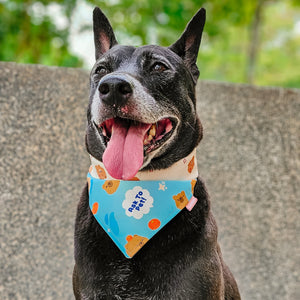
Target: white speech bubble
<point>137,202</point>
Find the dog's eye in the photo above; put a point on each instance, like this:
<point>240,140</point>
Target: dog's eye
<point>101,70</point>
<point>159,67</point>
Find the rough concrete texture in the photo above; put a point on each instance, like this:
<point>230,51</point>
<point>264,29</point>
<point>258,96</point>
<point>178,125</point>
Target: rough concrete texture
<point>249,158</point>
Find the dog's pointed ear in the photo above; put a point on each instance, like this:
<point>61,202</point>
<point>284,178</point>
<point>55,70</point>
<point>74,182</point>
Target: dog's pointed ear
<point>104,37</point>
<point>187,46</point>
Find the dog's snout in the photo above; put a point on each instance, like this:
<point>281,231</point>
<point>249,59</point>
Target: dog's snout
<point>115,91</point>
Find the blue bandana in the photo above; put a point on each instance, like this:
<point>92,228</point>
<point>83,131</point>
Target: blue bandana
<point>132,212</point>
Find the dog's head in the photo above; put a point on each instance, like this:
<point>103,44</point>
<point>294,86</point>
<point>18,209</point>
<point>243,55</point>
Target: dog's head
<point>142,108</point>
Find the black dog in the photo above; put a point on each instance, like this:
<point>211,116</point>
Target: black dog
<point>131,87</point>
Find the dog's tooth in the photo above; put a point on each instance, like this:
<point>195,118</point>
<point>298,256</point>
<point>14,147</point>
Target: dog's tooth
<point>149,138</point>
<point>152,130</point>
<point>146,141</point>
<point>104,131</point>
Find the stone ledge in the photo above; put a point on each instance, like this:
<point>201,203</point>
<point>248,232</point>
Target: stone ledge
<point>249,158</point>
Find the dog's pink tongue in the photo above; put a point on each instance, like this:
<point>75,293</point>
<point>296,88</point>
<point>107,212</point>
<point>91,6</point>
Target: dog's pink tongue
<point>124,154</point>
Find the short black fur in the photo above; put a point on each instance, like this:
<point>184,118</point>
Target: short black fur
<point>183,261</point>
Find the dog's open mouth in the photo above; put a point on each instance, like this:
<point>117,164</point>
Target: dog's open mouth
<point>128,141</point>
<point>155,135</point>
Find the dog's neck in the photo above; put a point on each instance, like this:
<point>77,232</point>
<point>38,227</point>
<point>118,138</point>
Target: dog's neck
<point>184,169</point>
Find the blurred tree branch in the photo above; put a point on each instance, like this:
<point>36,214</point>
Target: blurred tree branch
<point>254,41</point>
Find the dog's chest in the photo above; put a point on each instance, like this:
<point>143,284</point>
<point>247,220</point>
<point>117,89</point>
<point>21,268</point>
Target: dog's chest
<point>125,283</point>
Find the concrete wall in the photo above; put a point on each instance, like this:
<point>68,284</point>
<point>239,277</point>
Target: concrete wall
<point>249,158</point>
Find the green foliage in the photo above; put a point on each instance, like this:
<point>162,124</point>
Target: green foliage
<point>30,38</point>
<point>225,54</point>
<point>152,21</point>
<point>279,58</point>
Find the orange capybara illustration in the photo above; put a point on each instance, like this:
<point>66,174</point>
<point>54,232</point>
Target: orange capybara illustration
<point>191,165</point>
<point>181,200</point>
<point>134,244</point>
<point>110,186</point>
<point>101,172</point>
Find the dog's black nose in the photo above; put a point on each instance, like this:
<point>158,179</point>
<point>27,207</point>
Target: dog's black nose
<point>115,91</point>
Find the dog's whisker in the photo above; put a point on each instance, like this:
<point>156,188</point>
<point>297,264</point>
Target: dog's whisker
<point>190,126</point>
